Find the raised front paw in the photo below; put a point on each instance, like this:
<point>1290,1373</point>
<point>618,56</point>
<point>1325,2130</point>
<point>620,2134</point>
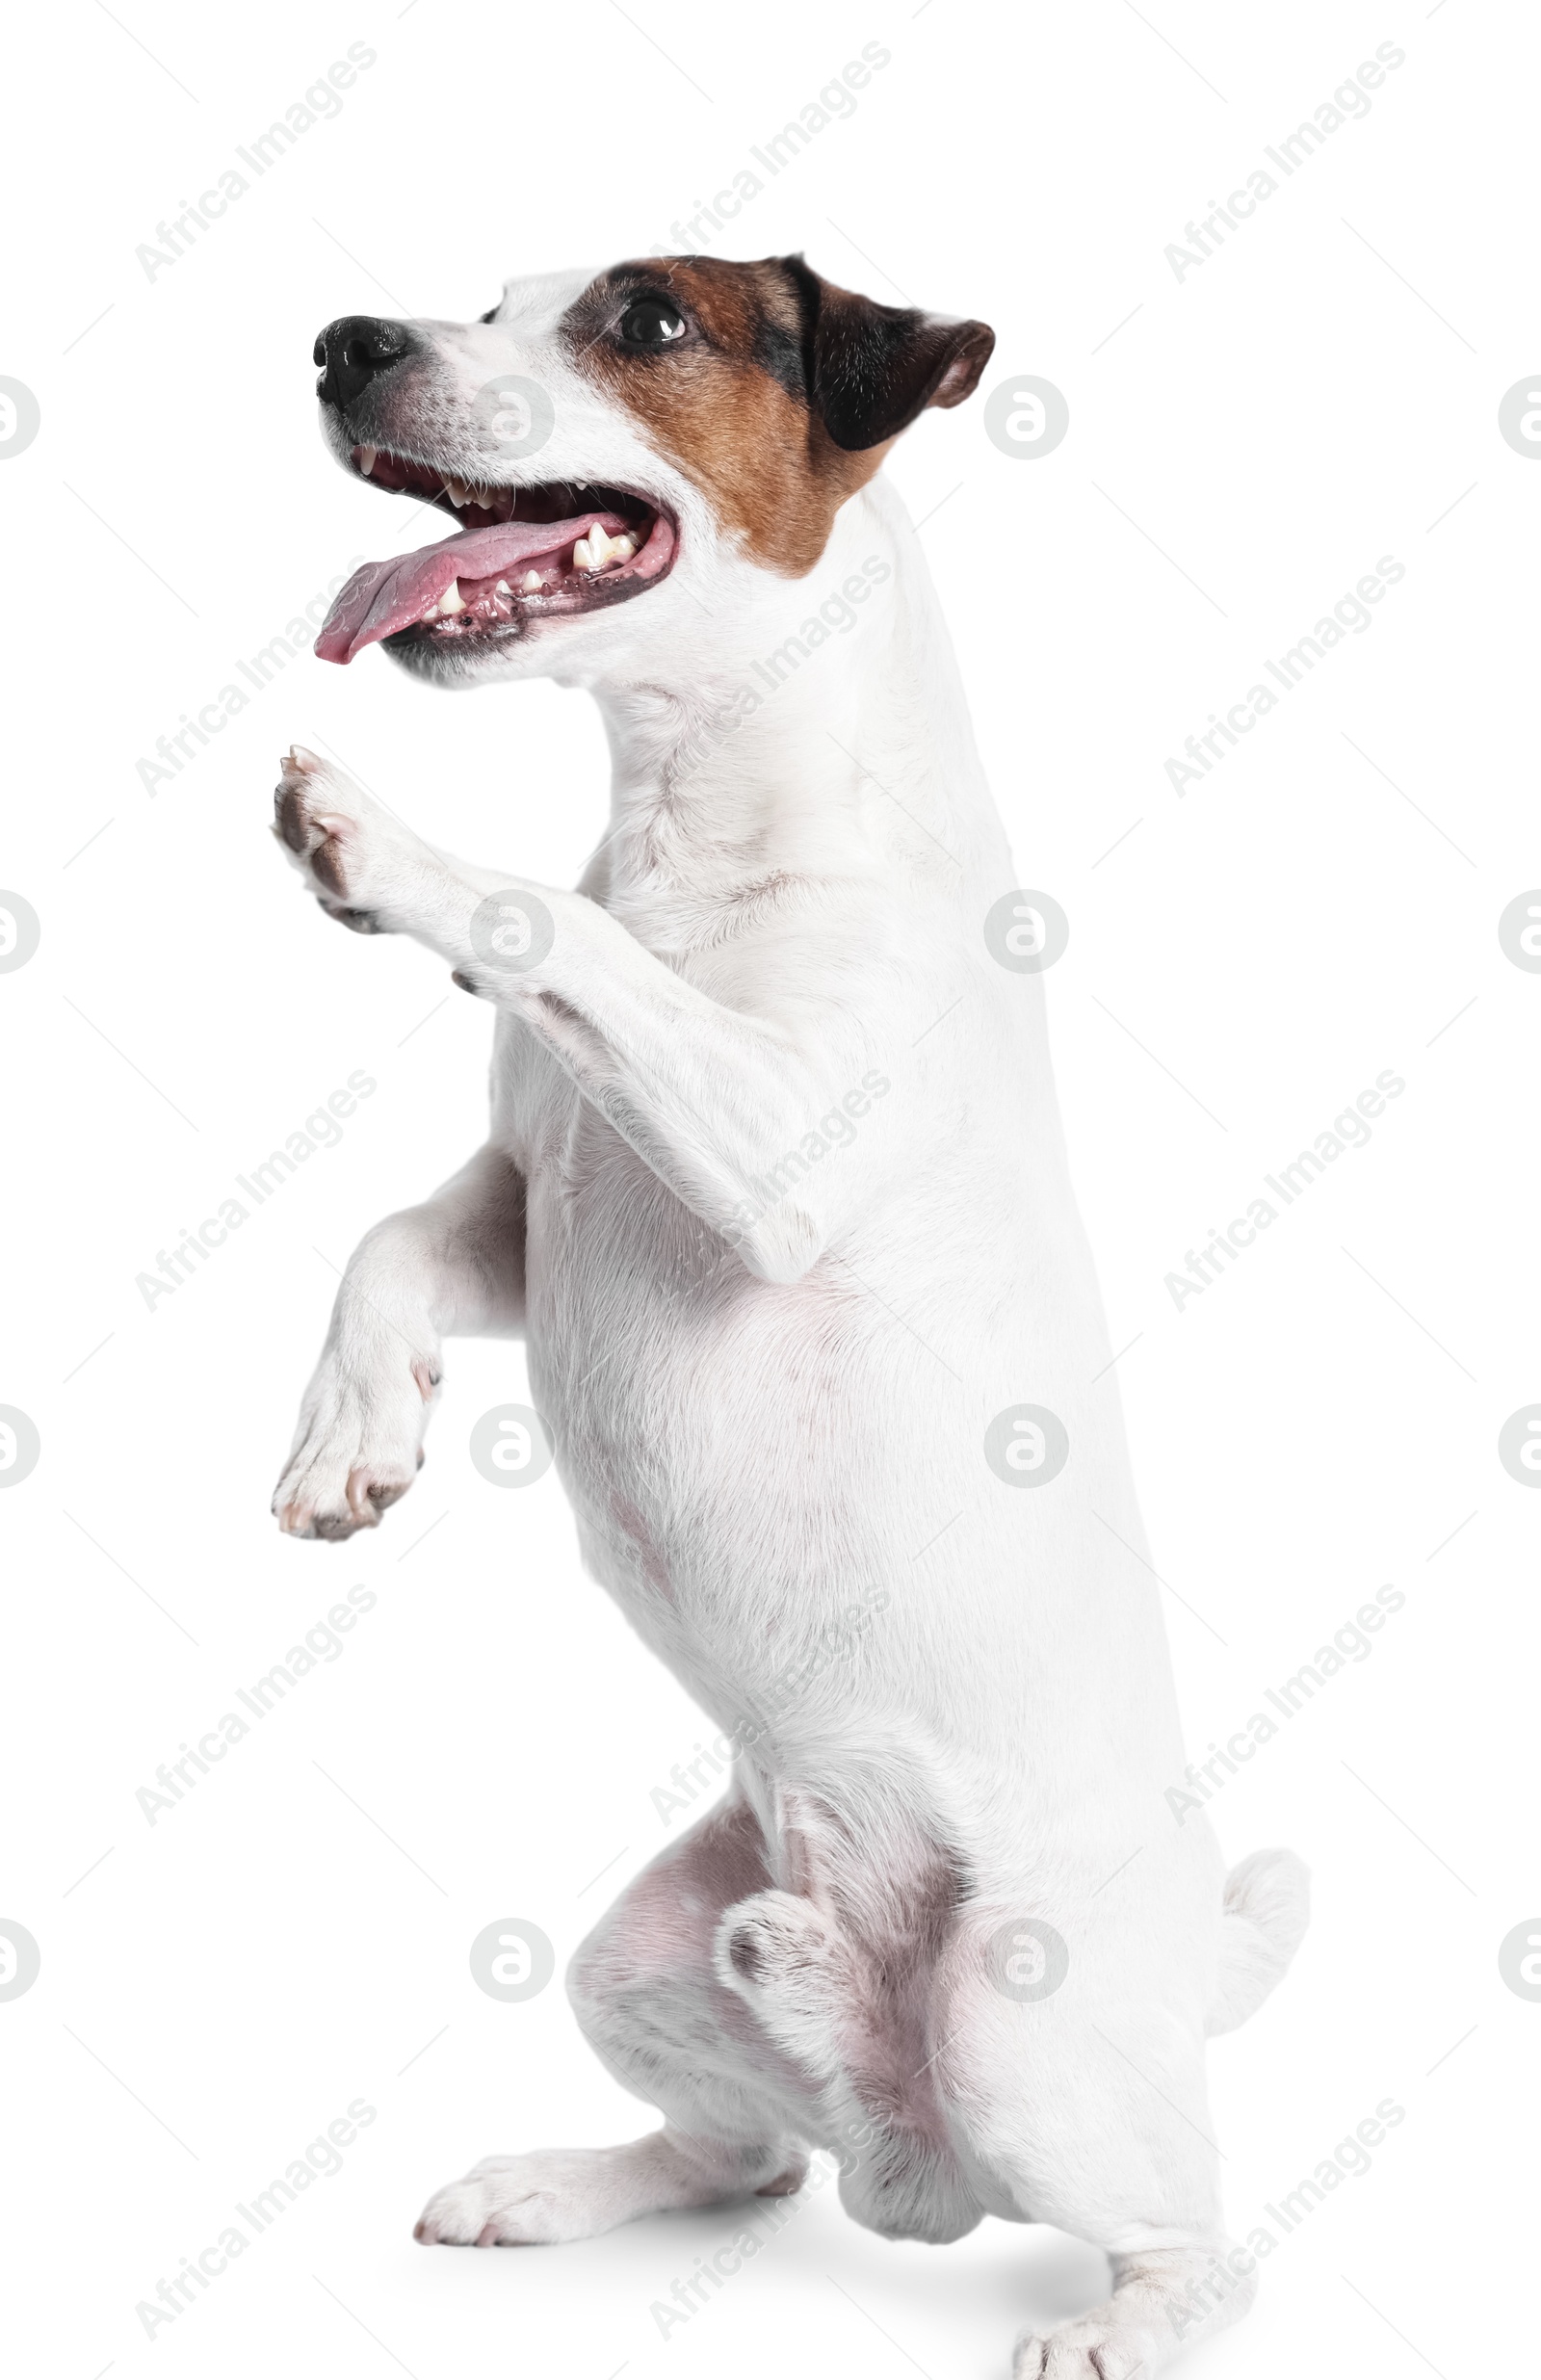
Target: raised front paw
<point>358,1448</point>
<point>360,863</point>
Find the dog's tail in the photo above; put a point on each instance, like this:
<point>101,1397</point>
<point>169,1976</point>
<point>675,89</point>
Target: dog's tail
<point>1268,1907</point>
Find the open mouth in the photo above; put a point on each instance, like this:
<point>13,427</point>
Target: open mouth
<point>523,554</point>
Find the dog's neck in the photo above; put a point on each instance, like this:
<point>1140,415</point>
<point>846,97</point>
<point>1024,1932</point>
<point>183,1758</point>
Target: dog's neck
<point>756,760</point>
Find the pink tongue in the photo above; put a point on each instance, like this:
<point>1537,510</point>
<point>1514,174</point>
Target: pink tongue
<point>384,596</point>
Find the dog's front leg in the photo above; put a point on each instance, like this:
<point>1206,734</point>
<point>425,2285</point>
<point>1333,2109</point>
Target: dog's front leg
<point>451,1267</point>
<point>716,1102</point>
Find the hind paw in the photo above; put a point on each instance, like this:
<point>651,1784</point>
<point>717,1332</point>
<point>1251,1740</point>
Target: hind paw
<point>1089,2350</point>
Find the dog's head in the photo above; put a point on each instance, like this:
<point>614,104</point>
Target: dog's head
<point>637,437</point>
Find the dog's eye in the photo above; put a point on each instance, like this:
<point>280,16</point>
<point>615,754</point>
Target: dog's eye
<point>491,313</point>
<point>651,323</point>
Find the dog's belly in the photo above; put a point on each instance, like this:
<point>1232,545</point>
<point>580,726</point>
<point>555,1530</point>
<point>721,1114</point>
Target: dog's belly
<point>786,1487</point>
<point>707,1422</point>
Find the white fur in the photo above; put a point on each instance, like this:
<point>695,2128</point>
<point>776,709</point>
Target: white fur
<point>770,1412</point>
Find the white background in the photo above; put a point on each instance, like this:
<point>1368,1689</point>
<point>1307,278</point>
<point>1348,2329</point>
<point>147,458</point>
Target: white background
<point>1244,445</point>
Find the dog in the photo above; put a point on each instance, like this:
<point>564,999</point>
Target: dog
<point>776,1193</point>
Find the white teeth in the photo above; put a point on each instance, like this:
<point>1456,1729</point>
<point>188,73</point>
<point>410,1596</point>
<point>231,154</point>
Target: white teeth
<point>451,601</point>
<point>461,492</point>
<point>531,582</point>
<point>366,459</point>
<point>502,587</point>
<point>597,551</point>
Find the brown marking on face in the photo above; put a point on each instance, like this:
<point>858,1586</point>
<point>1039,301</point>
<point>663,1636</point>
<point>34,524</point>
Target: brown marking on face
<point>730,407</point>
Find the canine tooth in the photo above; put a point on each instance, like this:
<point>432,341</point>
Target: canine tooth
<point>366,459</point>
<point>451,601</point>
<point>455,492</point>
<point>531,582</point>
<point>583,557</point>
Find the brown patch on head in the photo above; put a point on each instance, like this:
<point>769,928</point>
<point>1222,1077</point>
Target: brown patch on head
<point>777,393</point>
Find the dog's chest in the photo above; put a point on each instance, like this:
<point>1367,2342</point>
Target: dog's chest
<point>602,1229</point>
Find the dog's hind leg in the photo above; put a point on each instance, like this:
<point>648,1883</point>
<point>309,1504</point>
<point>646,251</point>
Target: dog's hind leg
<point>848,1999</point>
<point>736,2112</point>
<point>1087,2110</point>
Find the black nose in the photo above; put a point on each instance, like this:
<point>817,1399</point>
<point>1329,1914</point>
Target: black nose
<point>355,350</point>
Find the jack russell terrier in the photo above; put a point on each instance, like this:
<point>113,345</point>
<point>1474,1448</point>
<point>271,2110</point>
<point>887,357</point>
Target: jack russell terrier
<point>775,1190</point>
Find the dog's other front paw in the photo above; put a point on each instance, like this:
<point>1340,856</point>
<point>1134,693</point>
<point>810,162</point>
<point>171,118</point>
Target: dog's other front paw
<point>359,860</point>
<point>358,1448</point>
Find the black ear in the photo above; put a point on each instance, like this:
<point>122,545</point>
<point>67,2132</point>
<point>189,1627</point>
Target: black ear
<point>870,369</point>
